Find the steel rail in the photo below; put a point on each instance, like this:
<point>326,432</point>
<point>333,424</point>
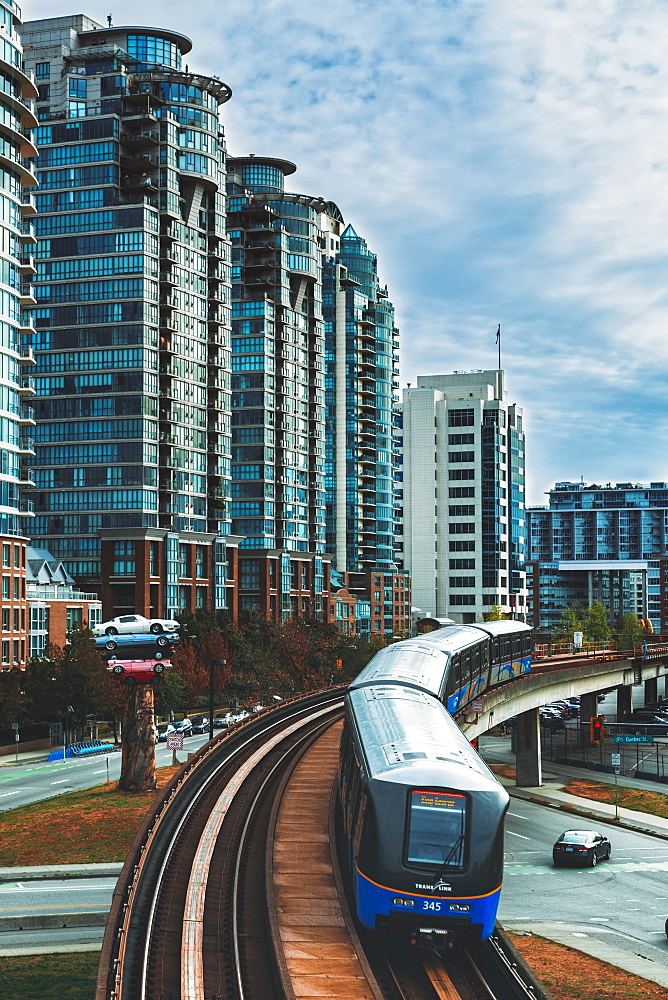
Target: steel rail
<point>296,751</point>
<point>181,794</point>
<point>192,968</point>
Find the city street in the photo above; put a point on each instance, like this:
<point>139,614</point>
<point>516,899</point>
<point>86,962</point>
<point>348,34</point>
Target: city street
<point>25,783</point>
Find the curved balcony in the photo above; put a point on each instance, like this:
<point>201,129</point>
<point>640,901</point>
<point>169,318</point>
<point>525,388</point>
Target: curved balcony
<point>19,167</point>
<point>24,77</point>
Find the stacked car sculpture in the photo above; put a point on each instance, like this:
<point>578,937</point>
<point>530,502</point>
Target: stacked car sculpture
<point>135,647</point>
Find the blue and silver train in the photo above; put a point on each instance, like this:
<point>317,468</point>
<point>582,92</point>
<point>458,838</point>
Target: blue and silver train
<point>456,664</point>
<point>421,814</point>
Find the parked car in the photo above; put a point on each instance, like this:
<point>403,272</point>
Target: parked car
<point>182,726</point>
<point>200,723</point>
<point>645,724</point>
<point>138,671</point>
<point>137,646</point>
<point>223,721</point>
<point>162,732</point>
<point>126,624</point>
<point>580,847</point>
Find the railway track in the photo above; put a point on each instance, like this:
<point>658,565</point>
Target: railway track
<point>232,888</point>
<point>186,917</point>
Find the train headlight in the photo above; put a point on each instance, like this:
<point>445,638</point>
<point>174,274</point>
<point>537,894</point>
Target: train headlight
<point>461,907</point>
<point>397,901</point>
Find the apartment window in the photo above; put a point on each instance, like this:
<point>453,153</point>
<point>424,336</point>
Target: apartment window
<point>17,627</point>
<point>73,619</point>
<point>17,657</point>
<point>43,70</point>
<point>462,546</point>
<point>461,439</point>
<point>5,588</point>
<point>5,619</point>
<point>201,561</point>
<point>461,510</point>
<point>17,588</point>
<point>463,528</point>
<point>462,564</point>
<point>457,600</point>
<point>5,651</point>
<point>461,474</point>
<point>461,418</point>
<point>461,456</point>
<point>462,581</point>
<point>44,92</point>
<point>6,550</point>
<point>17,557</point>
<point>456,492</point>
<point>200,597</point>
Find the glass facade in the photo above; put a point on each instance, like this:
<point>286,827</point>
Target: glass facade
<point>360,391</point>
<point>132,285</point>
<point>600,542</point>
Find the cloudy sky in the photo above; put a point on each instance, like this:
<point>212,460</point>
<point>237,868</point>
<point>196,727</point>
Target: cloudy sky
<point>506,160</point>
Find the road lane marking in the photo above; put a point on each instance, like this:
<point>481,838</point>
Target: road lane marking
<point>6,908</point>
<point>527,868</point>
<point>521,836</point>
<point>68,888</point>
<point>5,794</point>
<point>517,816</point>
<point>61,782</point>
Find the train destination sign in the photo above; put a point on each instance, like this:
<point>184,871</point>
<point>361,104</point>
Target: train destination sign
<point>634,739</point>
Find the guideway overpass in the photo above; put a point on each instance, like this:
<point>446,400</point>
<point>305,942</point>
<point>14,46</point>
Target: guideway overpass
<point>563,677</point>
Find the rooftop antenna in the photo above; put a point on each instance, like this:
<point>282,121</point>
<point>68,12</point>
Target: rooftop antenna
<point>109,18</point>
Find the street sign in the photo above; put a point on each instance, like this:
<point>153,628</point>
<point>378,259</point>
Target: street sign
<point>634,739</point>
<point>616,758</point>
<point>477,705</point>
<point>617,768</point>
<point>175,741</point>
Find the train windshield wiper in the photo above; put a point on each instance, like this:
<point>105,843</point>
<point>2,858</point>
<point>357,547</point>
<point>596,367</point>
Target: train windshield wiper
<point>453,850</point>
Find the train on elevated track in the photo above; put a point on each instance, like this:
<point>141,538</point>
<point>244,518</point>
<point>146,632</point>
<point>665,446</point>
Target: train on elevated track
<point>421,814</point>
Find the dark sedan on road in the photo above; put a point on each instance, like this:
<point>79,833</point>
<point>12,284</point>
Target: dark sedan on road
<point>580,847</point>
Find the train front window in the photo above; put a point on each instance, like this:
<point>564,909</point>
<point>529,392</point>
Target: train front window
<point>436,829</point>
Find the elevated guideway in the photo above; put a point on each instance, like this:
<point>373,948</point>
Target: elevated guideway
<point>560,677</point>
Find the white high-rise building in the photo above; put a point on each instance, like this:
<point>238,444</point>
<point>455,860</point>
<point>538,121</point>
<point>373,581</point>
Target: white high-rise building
<point>464,536</point>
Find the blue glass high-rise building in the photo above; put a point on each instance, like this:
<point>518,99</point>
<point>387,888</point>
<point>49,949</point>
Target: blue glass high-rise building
<point>133,317</point>
<point>17,206</point>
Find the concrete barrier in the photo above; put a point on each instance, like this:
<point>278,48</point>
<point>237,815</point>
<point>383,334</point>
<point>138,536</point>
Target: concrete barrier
<point>96,918</point>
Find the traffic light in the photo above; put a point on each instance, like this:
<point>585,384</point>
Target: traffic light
<point>596,729</point>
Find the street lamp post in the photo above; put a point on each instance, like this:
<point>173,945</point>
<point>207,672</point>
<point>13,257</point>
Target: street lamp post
<point>212,664</point>
<point>70,643</point>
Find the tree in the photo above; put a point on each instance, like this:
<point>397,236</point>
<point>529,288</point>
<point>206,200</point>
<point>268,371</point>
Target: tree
<point>495,614</point>
<point>139,738</point>
<point>75,676</point>
<point>12,704</point>
<point>595,622</point>
<point>193,658</point>
<point>570,622</point>
<point>630,632</point>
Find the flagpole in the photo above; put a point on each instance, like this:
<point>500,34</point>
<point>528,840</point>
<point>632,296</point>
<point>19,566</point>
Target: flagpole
<point>498,340</point>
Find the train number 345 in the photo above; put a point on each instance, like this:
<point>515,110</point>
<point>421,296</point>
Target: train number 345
<point>428,904</point>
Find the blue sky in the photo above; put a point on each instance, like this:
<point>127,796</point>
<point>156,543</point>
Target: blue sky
<point>506,160</point>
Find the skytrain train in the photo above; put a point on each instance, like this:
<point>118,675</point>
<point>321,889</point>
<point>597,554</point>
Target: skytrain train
<point>421,814</point>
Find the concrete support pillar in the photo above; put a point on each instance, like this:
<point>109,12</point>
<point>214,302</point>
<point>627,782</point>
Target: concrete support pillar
<point>528,764</point>
<point>588,707</point>
<point>651,690</point>
<point>623,700</point>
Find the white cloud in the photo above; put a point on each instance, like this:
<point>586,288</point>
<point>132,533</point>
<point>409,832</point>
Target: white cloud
<point>505,159</point>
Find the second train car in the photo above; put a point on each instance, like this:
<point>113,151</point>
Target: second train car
<point>456,663</point>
